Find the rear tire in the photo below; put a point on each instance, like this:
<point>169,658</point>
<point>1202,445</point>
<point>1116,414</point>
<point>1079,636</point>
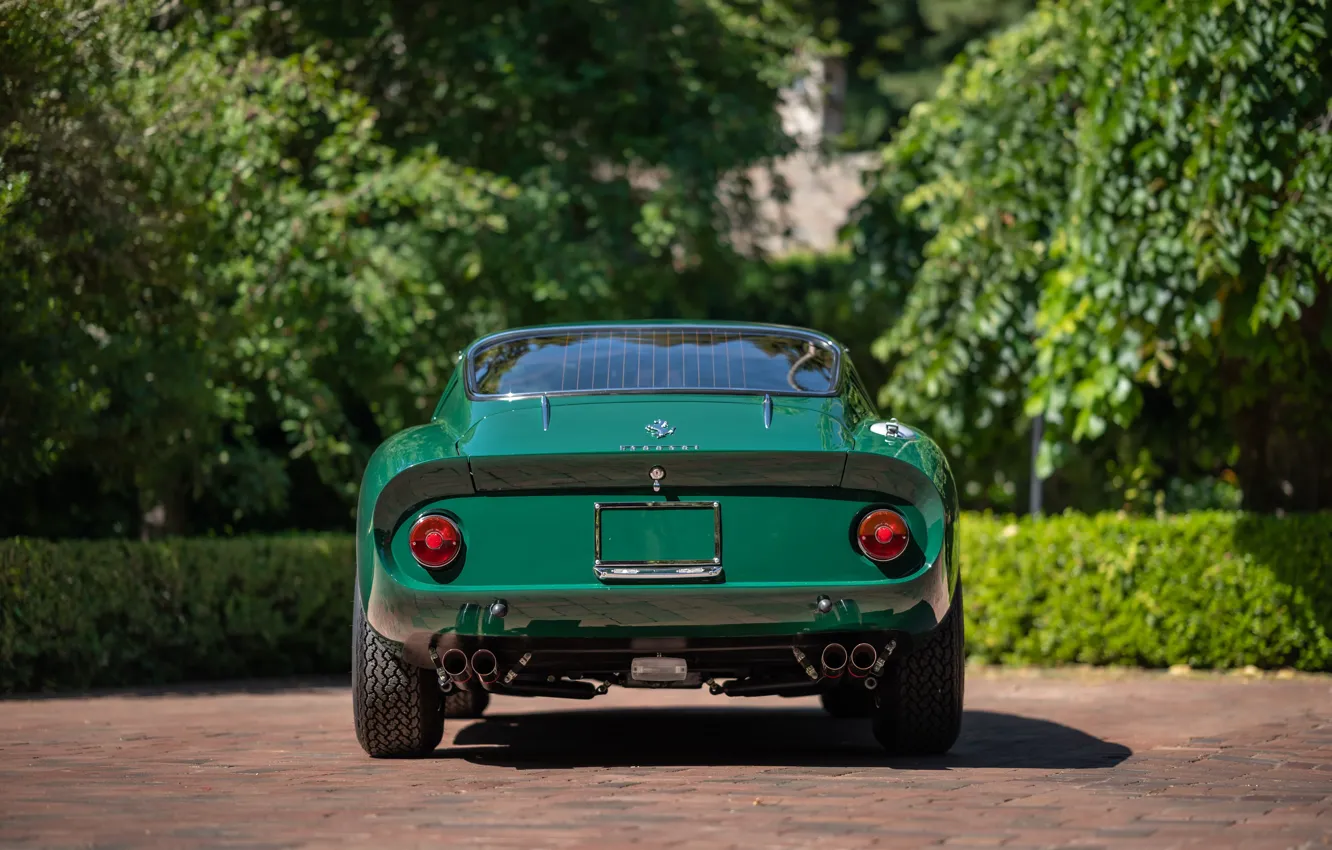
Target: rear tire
<point>848,702</point>
<point>398,708</point>
<point>919,706</point>
<point>468,700</point>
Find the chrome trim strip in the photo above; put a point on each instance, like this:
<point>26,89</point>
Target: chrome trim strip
<point>630,575</point>
<point>469,373</point>
<point>665,570</point>
<point>767,411</point>
<point>555,330</point>
<point>643,391</point>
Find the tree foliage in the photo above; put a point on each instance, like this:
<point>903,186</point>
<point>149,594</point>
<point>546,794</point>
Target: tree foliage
<point>896,52</point>
<point>91,316</point>
<point>1124,210</point>
<point>243,241</point>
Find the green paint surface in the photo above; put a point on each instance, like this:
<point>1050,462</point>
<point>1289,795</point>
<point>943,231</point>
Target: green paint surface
<point>523,490</point>
<point>540,542</point>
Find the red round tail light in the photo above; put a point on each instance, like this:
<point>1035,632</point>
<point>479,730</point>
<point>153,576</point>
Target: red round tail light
<point>882,535</point>
<point>435,541</point>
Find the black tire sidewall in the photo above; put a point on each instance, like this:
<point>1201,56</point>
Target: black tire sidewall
<point>397,709</point>
<point>919,708</point>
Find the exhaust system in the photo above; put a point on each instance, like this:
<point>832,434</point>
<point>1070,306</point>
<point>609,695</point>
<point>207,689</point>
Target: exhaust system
<point>558,688</point>
<point>485,667</point>
<point>749,687</point>
<point>833,660</point>
<point>862,659</point>
<point>455,666</point>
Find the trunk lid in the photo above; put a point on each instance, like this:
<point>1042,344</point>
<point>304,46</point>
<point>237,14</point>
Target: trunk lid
<point>586,441</point>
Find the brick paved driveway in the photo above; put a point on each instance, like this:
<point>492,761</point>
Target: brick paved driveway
<point>1046,760</point>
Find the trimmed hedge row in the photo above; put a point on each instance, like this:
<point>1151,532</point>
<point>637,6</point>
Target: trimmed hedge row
<point>1208,589</point>
<point>99,613</point>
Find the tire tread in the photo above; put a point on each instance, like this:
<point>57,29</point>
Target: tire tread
<point>919,711</point>
<point>397,708</point>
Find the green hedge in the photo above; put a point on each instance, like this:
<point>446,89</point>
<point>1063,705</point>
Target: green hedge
<point>82,614</point>
<point>1203,589</point>
<point>1209,590</point>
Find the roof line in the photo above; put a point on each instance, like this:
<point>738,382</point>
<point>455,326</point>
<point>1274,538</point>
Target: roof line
<point>537,330</point>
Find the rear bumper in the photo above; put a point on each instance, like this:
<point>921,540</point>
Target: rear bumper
<point>630,617</point>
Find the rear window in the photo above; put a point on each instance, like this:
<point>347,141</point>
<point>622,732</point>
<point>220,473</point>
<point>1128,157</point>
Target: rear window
<point>659,359</point>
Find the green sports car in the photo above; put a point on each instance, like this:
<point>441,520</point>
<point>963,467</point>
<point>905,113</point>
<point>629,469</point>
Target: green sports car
<point>657,505</point>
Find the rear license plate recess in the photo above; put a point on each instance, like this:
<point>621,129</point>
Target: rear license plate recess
<point>655,541</point>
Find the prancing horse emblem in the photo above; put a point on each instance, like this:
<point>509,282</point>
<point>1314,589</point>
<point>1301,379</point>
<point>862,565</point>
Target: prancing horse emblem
<point>659,428</point>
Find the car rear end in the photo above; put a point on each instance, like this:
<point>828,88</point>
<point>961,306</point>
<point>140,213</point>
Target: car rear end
<point>557,530</point>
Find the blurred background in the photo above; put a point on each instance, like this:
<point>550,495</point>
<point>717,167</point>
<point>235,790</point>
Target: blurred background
<point>241,242</point>
<point>1085,244</point>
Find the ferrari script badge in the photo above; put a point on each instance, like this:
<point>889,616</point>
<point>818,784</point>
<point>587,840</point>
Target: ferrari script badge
<point>659,428</point>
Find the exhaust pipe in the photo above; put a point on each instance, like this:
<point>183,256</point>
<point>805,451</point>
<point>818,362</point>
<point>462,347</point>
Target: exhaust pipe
<point>558,688</point>
<point>484,666</point>
<point>833,660</point>
<point>762,688</point>
<point>862,660</point>
<point>454,663</point>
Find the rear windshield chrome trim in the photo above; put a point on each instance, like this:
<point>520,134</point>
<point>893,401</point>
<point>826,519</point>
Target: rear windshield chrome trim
<point>469,372</point>
<point>475,396</point>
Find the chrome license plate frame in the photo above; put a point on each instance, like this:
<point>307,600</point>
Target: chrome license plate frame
<point>704,569</point>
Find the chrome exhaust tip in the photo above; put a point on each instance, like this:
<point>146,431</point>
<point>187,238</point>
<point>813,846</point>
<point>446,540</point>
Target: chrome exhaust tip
<point>484,666</point>
<point>862,660</point>
<point>454,664</point>
<point>833,660</point>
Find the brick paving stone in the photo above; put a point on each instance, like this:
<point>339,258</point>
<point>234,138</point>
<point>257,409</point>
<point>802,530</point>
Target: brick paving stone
<point>1047,759</point>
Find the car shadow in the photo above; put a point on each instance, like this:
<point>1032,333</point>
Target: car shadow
<point>762,737</point>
